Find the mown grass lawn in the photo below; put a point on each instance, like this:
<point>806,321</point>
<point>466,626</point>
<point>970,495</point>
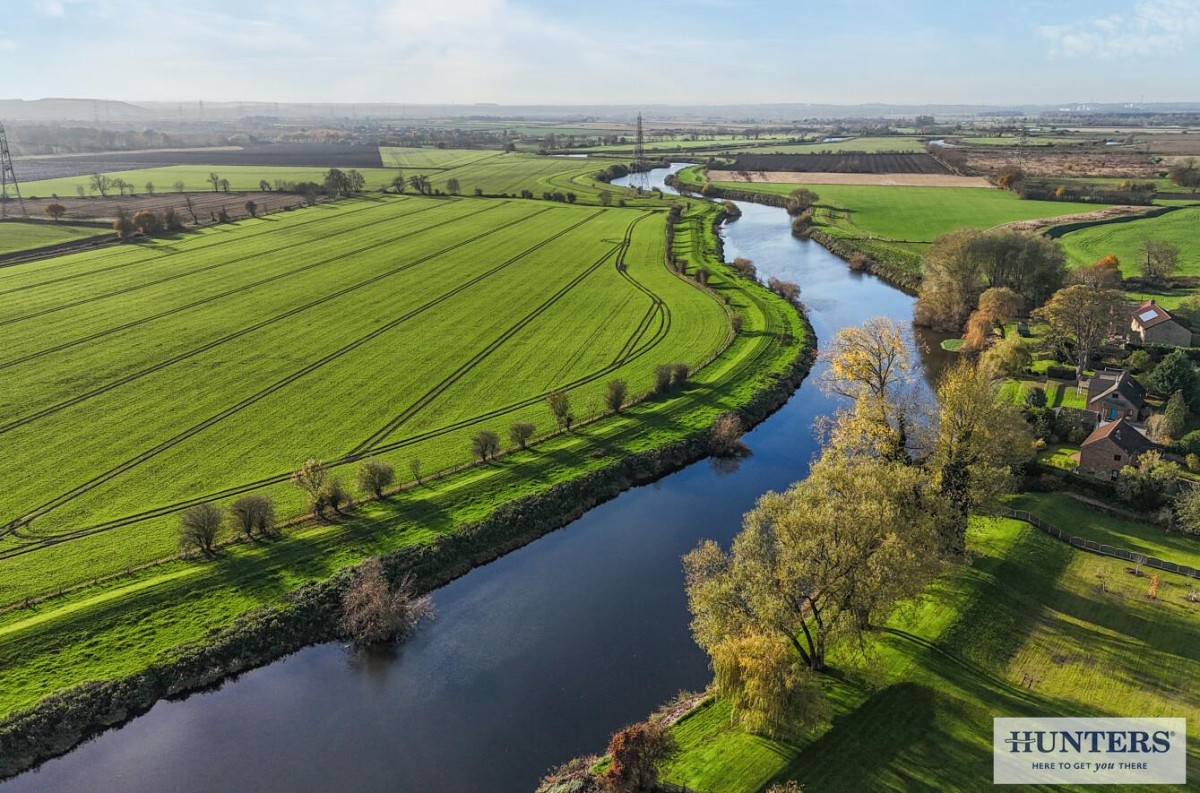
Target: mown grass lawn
<point>1024,630</point>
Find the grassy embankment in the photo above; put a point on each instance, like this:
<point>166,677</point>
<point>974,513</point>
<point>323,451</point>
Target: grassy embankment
<point>510,299</point>
<point>896,225</point>
<point>17,236</point>
<point>1030,627</point>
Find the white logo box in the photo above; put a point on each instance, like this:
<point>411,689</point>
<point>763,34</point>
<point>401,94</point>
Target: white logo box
<point>1089,751</point>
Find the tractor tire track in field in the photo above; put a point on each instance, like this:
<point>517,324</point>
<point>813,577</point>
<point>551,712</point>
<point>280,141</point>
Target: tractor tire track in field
<point>292,312</point>
<point>45,541</point>
<point>168,255</point>
<point>222,295</point>
<point>412,410</point>
<point>17,525</point>
<point>167,279</point>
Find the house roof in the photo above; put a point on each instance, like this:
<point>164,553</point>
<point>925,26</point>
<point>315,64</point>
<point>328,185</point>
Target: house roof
<point>1122,433</point>
<point>1149,314</point>
<point>1106,383</point>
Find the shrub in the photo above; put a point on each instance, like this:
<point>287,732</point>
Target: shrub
<point>662,378</point>
<point>858,262</point>
<point>680,373</point>
<point>520,432</point>
<point>614,395</point>
<point>198,527</point>
<point>1060,372</point>
<point>725,437</point>
<point>735,321</point>
<point>637,751</point>
<point>311,479</point>
<point>560,408</point>
<point>745,268</point>
<point>335,495</point>
<point>375,476</point>
<point>372,613</point>
<point>1036,397</point>
<point>414,467</point>
<point>254,513</point>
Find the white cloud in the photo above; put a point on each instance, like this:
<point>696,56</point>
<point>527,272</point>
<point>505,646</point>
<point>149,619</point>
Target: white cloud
<point>7,44</point>
<point>51,8</point>
<point>1152,28</point>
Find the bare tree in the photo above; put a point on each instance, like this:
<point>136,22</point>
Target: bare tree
<point>198,527</point>
<point>310,478</point>
<point>335,495</point>
<point>225,185</point>
<point>560,408</point>
<point>215,181</point>
<point>414,467</point>
<point>179,186</point>
<point>1159,260</point>
<point>452,186</point>
<point>254,513</point>
<point>485,444</point>
<point>101,184</point>
<point>251,208</point>
<point>520,432</point>
<point>372,612</point>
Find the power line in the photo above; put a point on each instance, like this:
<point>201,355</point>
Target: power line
<point>8,174</point>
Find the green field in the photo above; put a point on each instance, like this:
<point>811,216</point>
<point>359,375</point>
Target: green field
<point>212,364</point>
<point>17,236</point>
<point>897,224</point>
<point>1023,630</point>
<point>1180,227</point>
<point>427,158</point>
<point>242,178</point>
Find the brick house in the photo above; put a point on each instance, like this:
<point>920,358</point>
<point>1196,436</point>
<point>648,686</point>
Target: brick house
<point>1110,447</point>
<point>1115,395</point>
<point>1153,324</point>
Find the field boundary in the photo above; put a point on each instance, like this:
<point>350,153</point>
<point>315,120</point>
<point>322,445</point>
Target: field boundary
<point>1084,544</point>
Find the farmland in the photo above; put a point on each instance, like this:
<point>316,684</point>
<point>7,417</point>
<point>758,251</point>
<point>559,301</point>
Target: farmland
<point>860,144</point>
<point>1181,228</point>
<point>897,224</point>
<point>847,162</point>
<point>917,714</point>
<point>16,236</point>
<point>213,364</point>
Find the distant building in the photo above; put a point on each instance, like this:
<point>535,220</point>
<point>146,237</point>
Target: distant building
<point>1153,324</point>
<point>1116,395</point>
<point>1110,447</point>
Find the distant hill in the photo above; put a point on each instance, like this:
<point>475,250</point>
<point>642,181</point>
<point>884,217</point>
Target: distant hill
<point>57,109</point>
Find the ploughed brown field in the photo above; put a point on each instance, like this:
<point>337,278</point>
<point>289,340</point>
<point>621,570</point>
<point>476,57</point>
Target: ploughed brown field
<point>886,179</point>
<point>1123,164</point>
<point>838,162</point>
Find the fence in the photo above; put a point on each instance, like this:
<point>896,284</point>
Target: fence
<point>1100,548</point>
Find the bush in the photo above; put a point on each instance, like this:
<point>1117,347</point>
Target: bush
<point>614,395</point>
<point>680,373</point>
<point>520,432</point>
<point>725,437</point>
<point>1036,397</point>
<point>311,479</point>
<point>198,527</point>
<point>372,613</point>
<point>662,378</point>
<point>335,495</point>
<point>1060,372</point>
<point>375,476</point>
<point>735,322</point>
<point>637,751</point>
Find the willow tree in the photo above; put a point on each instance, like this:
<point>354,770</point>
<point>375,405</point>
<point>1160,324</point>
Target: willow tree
<point>824,561</point>
<point>978,441</point>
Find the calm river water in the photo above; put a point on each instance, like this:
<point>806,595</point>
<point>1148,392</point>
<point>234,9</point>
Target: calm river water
<point>533,659</point>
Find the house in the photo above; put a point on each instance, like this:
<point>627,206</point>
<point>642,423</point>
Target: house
<point>1116,395</point>
<point>1110,447</point>
<point>1153,324</point>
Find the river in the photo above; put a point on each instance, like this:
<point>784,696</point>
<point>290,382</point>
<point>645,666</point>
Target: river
<point>533,659</point>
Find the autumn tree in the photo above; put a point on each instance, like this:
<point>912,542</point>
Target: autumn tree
<point>560,407</point>
<point>725,436</point>
<point>373,613</point>
<point>769,688</point>
<point>828,558</point>
<point>146,222</point>
<point>636,752</point>
<point>198,527</point>
<point>1105,273</point>
<point>800,201</point>
<point>55,211</point>
<point>1083,317</point>
<point>310,478</point>
<point>520,432</point>
<point>254,513</point>
<point>485,444</point>
<point>123,225</point>
<point>1159,261</point>
<point>979,439</point>
<point>375,476</point>
<point>1009,357</point>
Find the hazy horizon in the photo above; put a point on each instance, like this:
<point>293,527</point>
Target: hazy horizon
<point>674,52</point>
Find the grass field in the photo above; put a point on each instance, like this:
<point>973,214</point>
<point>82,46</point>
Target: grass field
<point>1024,630</point>
<point>897,224</point>
<point>212,364</point>
<point>426,158</point>
<point>17,236</point>
<point>1181,228</point>
<point>241,178</point>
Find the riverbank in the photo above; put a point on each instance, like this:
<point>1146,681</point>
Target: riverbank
<point>754,375</point>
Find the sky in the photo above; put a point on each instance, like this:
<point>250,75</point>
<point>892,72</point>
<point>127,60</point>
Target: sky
<point>604,52</point>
